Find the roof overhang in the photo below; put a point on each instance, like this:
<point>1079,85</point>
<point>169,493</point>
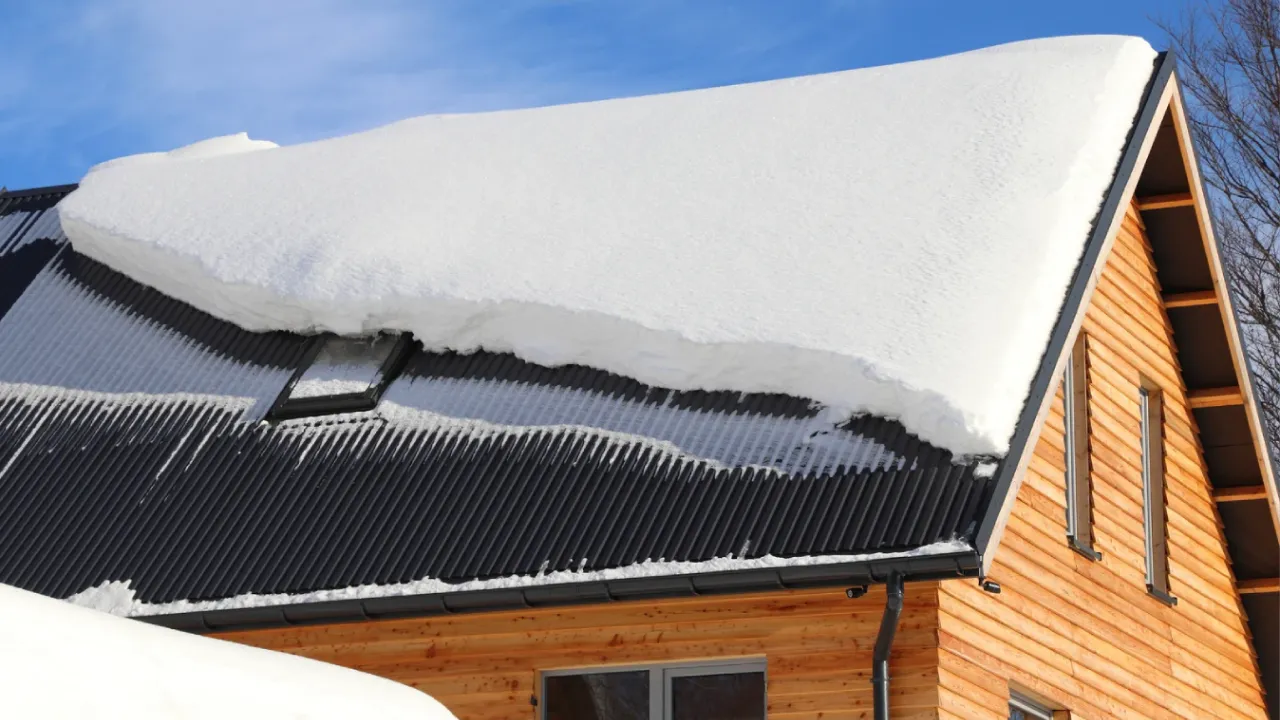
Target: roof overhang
<point>848,575</point>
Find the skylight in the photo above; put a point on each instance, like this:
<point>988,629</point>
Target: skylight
<point>343,374</point>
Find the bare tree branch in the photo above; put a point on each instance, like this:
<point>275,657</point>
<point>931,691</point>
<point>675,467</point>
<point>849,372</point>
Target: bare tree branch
<point>1229,63</point>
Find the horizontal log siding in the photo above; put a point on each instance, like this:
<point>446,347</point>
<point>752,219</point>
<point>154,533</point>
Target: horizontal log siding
<point>818,645</point>
<point>1085,635</point>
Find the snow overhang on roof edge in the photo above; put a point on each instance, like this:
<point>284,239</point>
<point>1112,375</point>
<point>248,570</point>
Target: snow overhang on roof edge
<point>1047,375</point>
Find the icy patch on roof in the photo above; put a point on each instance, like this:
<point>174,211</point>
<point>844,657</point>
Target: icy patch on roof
<point>62,339</point>
<point>108,596</point>
<point>62,661</point>
<point>896,240</point>
<point>797,446</point>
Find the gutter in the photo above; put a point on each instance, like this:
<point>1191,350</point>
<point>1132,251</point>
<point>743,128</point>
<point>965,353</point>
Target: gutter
<point>854,574</point>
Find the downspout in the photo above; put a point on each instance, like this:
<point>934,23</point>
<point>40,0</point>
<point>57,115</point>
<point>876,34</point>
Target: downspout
<point>884,643</point>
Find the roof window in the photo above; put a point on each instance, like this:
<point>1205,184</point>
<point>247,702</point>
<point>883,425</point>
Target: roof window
<point>342,374</point>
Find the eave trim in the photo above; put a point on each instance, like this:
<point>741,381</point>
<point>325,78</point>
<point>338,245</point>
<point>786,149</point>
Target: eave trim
<point>922,568</point>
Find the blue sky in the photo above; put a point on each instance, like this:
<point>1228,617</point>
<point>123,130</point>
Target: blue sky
<point>82,81</point>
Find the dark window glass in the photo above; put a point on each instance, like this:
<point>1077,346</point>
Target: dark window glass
<point>1154,518</point>
<point>736,696</point>
<point>598,696</point>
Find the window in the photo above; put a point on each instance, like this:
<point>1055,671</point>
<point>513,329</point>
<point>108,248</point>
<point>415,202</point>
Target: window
<point>721,691</point>
<point>1154,520</point>
<point>342,374</point>
<point>1020,708</point>
<point>1075,412</point>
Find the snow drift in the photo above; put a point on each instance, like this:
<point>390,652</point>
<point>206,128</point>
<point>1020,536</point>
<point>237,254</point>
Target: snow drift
<point>895,240</point>
<point>62,661</point>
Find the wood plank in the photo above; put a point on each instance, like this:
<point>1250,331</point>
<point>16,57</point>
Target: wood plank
<point>1161,202</point>
<point>1214,397</point>
<point>1190,299</point>
<point>818,646</point>
<point>1236,494</point>
<point>1258,586</point>
<point>1129,655</point>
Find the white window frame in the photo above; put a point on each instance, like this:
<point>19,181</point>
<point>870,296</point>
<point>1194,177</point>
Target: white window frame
<point>660,676</point>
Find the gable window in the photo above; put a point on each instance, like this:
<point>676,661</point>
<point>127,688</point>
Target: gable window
<point>719,691</point>
<point>342,374</point>
<point>1022,708</point>
<point>1154,517</point>
<point>1075,415</point>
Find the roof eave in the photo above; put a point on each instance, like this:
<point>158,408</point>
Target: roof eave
<point>850,574</point>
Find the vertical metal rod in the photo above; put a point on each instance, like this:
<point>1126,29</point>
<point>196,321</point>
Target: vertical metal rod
<point>884,643</point>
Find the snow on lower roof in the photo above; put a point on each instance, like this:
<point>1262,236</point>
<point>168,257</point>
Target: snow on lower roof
<point>62,661</point>
<point>118,597</point>
<point>895,240</point>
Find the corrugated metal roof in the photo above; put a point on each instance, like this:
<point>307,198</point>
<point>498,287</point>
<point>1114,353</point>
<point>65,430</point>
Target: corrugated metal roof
<point>132,446</point>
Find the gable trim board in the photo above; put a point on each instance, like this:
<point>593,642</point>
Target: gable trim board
<point>1040,398</point>
<point>1163,98</point>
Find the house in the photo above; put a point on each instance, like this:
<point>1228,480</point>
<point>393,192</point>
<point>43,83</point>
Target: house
<point>523,536</point>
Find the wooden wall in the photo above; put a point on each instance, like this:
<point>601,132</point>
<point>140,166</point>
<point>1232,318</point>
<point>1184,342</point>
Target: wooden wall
<point>1083,634</point>
<point>485,666</point>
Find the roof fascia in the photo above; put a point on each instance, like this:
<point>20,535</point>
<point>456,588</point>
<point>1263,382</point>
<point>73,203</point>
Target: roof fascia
<point>51,189</point>
<point>1106,227</point>
<point>850,574</point>
<point>1230,319</point>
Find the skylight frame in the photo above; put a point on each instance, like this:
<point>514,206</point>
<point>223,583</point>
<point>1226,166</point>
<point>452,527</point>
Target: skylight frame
<point>288,407</point>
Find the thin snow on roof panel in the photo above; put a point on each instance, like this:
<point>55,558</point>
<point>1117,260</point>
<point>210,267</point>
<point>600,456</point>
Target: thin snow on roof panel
<point>10,225</point>
<point>45,226</point>
<point>730,431</point>
<point>894,240</point>
<point>63,335</point>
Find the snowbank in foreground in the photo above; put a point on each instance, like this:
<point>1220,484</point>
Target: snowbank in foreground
<point>118,597</point>
<point>62,661</point>
<point>894,240</point>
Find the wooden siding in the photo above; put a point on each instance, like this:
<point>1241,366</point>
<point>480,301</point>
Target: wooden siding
<point>1085,635</point>
<point>818,646</point>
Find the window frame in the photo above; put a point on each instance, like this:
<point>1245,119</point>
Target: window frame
<point>660,675</point>
<point>1079,471</point>
<point>1155,512</point>
<point>288,408</point>
<point>1029,707</point>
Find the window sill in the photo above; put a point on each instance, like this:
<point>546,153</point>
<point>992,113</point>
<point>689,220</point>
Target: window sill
<point>1161,595</point>
<point>1084,550</point>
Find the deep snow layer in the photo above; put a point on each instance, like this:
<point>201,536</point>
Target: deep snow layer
<point>118,596</point>
<point>894,240</point>
<point>62,661</point>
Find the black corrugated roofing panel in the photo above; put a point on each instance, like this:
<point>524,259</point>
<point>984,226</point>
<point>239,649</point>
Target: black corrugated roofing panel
<point>133,447</point>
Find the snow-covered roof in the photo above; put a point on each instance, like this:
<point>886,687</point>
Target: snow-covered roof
<point>894,240</point>
<point>62,661</point>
